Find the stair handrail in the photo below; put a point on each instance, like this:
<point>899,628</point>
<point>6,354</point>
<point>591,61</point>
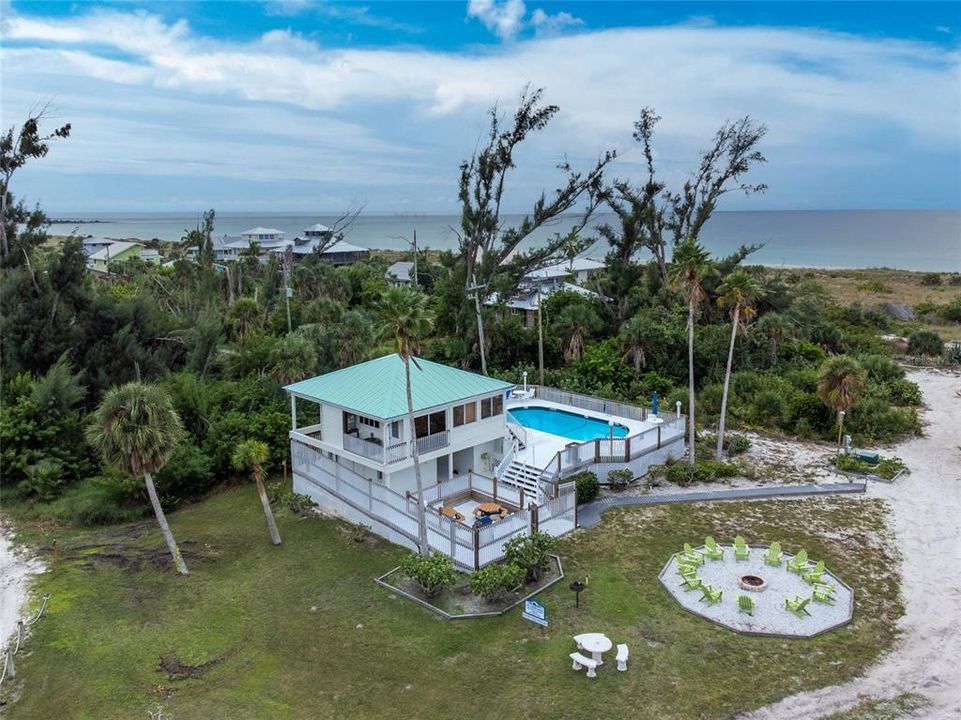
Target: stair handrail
<point>517,430</point>
<point>506,460</point>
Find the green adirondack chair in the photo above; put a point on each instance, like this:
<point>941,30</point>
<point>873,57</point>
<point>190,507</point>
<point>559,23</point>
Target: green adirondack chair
<point>741,550</point>
<point>686,571</point>
<point>712,549</point>
<point>711,595</point>
<point>813,575</point>
<point>692,582</point>
<point>799,562</point>
<point>824,587</point>
<point>773,554</point>
<point>823,594</point>
<point>691,555</point>
<point>745,604</point>
<point>798,606</point>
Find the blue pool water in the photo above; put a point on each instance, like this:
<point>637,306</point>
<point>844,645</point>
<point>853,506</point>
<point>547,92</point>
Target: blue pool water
<point>565,424</point>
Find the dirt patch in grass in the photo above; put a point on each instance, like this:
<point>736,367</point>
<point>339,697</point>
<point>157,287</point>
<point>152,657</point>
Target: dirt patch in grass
<point>177,669</point>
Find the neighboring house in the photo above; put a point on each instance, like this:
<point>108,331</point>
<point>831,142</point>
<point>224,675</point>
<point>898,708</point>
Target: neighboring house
<point>92,245</point>
<point>578,270</point>
<point>351,452</point>
<point>270,240</point>
<point>538,285</point>
<point>338,253</point>
<point>266,238</point>
<point>400,273</point>
<point>118,251</point>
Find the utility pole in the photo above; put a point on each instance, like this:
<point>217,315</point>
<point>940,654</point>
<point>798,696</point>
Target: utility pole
<point>480,321</point>
<point>540,336</point>
<point>415,258</point>
<point>288,257</point>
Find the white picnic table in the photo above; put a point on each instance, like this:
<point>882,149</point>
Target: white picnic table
<point>596,645</point>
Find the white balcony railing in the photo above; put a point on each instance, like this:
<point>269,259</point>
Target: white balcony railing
<point>398,451</point>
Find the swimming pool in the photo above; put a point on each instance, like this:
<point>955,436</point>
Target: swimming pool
<point>565,424</point>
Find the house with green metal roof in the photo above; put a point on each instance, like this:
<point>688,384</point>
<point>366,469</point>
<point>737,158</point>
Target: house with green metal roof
<point>359,415</point>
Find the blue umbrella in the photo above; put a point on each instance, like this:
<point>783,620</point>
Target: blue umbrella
<point>654,404</point>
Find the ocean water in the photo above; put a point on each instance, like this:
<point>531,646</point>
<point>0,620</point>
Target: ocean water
<point>903,239</point>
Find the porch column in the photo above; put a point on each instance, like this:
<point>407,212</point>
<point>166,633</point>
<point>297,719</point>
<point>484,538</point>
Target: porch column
<point>293,412</point>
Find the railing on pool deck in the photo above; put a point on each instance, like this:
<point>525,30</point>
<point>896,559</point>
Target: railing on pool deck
<point>598,405</point>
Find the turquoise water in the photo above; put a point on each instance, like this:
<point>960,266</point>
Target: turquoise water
<point>565,424</point>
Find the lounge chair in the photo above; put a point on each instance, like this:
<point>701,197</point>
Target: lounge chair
<point>773,554</point>
<point>823,594</point>
<point>813,575</point>
<point>741,550</point>
<point>745,604</point>
<point>712,550</point>
<point>799,563</point>
<point>691,555</point>
<point>711,595</point>
<point>798,606</point>
<point>692,582</point>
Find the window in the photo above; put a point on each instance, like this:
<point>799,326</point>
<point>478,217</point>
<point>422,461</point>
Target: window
<point>465,414</point>
<point>492,406</point>
<point>395,430</point>
<point>430,424</point>
<point>353,422</point>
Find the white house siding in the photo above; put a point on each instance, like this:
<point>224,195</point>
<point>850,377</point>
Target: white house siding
<point>640,465</point>
<point>404,479</point>
<point>335,505</point>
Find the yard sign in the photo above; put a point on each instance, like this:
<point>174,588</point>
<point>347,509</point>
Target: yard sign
<point>535,612</point>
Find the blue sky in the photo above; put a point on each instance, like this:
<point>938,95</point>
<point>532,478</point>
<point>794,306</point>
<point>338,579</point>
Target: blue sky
<point>313,106</point>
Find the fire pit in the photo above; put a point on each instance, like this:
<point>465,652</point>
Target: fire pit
<point>751,583</point>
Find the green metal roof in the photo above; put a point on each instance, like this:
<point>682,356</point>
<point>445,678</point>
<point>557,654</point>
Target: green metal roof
<point>377,388</point>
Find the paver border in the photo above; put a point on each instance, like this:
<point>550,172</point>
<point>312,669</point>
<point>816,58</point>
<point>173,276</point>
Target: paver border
<point>742,631</point>
<point>469,616</point>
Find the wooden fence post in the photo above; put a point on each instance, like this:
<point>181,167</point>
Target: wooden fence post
<point>597,450</point>
<point>520,491</point>
<point>658,437</point>
<point>494,483</point>
<point>535,520</point>
<point>627,449</point>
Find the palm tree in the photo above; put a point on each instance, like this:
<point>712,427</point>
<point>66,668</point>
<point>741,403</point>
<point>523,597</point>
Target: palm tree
<point>294,358</point>
<point>738,291</point>
<point>839,384</point>
<point>136,429</point>
<point>356,337</point>
<point>637,336</point>
<point>406,318</point>
<point>776,328</point>
<point>574,324</point>
<point>243,316</point>
<point>689,266</point>
<point>251,455</point>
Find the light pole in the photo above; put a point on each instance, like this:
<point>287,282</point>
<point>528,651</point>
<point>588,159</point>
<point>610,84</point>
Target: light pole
<point>840,429</point>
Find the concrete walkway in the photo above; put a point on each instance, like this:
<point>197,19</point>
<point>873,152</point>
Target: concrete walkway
<point>589,515</point>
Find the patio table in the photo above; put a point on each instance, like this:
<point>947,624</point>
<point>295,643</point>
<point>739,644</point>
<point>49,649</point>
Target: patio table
<point>451,513</point>
<point>596,645</point>
<point>490,508</point>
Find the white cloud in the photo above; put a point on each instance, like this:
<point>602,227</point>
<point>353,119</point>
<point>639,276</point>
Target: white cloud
<point>545,24</point>
<point>504,18</point>
<point>150,97</point>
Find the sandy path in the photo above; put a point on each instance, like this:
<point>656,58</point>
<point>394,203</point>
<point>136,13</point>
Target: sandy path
<point>16,569</point>
<point>926,508</point>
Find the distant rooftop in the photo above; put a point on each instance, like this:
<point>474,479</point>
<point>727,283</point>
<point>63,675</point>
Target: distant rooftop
<point>401,270</point>
<point>262,231</point>
<point>318,228</point>
<point>565,268</point>
<point>113,249</point>
<point>378,389</point>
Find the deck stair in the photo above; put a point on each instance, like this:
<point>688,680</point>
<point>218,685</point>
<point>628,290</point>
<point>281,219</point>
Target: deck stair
<point>524,477</point>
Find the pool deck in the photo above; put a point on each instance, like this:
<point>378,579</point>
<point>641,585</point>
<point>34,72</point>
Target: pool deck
<point>542,447</point>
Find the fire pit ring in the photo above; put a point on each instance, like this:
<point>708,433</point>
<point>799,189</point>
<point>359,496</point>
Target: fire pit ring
<point>752,583</point>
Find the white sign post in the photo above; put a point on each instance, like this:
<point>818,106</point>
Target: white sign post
<point>535,612</point>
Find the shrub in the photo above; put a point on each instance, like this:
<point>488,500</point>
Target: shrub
<point>494,582</point>
<point>881,369</point>
<point>44,480</point>
<point>186,476</point>
<point>736,443</point>
<point>295,502</point>
<point>874,419</point>
<point>903,392</point>
<point>620,479</point>
<point>530,552</point>
<point>874,286</point>
<point>925,343</point>
<point>586,486</point>
<point>886,468</point>
<point>931,278</point>
<point>433,574</point>
<point>681,473</point>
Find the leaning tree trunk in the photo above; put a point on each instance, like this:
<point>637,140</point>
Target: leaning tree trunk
<point>690,380</point>
<point>421,513</point>
<point>164,527</point>
<point>272,526</point>
<point>727,383</point>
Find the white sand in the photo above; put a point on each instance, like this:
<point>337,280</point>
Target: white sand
<point>16,569</point>
<point>926,508</point>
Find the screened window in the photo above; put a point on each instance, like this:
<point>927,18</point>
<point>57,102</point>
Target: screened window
<point>430,424</point>
<point>465,414</point>
<point>492,406</point>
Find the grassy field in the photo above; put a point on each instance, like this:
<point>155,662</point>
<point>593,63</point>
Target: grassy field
<point>301,631</point>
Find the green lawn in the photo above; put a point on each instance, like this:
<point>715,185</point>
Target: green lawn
<point>301,630</point>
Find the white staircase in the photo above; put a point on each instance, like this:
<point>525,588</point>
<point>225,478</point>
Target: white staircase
<point>524,477</point>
